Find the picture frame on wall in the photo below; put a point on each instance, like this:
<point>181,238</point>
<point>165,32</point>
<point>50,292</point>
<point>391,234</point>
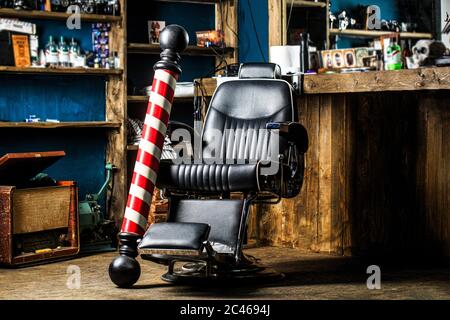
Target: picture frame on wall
<point>154,29</point>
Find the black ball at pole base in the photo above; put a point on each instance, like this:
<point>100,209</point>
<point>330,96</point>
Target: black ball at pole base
<point>124,271</point>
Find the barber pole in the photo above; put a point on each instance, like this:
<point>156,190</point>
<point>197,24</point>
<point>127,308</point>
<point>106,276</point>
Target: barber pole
<point>124,270</point>
<point>149,153</point>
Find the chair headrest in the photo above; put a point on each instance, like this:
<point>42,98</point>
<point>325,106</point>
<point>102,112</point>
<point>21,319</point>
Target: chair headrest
<point>259,71</point>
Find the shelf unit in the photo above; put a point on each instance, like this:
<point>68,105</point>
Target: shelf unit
<point>230,52</point>
<point>61,125</point>
<point>144,99</point>
<point>278,17</point>
<point>62,71</point>
<point>142,48</point>
<point>43,15</point>
<point>115,92</point>
<point>307,4</point>
<point>375,34</point>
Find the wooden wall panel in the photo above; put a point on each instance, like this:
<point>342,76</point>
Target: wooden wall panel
<point>324,235</point>
<point>276,22</point>
<point>116,110</point>
<point>342,173</point>
<point>385,179</point>
<point>307,202</point>
<point>376,179</point>
<point>433,172</point>
<point>229,24</point>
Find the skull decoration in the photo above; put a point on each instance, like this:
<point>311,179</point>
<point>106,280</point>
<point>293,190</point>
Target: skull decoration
<point>425,52</point>
<point>420,53</point>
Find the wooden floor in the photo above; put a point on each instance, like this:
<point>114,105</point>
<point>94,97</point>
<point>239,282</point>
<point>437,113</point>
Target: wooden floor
<point>308,276</point>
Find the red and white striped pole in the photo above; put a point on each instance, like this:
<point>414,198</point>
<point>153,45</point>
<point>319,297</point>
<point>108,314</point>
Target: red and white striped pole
<point>124,271</point>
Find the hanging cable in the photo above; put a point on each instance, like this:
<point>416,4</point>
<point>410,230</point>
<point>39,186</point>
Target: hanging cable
<point>256,31</point>
<point>228,24</point>
<point>290,14</point>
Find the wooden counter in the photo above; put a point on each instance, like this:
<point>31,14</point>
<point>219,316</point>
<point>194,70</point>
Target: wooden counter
<point>378,168</point>
<point>379,81</point>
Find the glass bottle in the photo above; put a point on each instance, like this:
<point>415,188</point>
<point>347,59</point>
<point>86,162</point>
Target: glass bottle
<point>63,51</point>
<point>74,50</point>
<point>394,56</point>
<point>51,53</point>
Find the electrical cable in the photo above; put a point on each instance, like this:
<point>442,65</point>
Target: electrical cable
<point>228,24</point>
<point>222,28</point>
<point>256,32</point>
<point>290,14</point>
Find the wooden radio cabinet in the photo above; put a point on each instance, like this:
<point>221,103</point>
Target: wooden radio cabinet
<point>37,223</point>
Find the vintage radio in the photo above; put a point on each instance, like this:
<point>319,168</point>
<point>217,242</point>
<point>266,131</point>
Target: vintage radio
<point>38,218</point>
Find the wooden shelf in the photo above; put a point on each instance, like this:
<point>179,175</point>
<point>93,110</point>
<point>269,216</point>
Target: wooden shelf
<point>307,4</point>
<point>208,85</point>
<point>143,48</point>
<point>59,71</point>
<point>144,99</point>
<point>33,14</point>
<point>374,34</point>
<point>61,125</point>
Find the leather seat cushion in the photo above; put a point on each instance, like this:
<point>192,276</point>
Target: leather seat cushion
<point>208,177</point>
<point>173,235</point>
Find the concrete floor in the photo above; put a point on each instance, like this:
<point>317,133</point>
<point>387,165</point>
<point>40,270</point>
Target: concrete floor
<point>308,276</point>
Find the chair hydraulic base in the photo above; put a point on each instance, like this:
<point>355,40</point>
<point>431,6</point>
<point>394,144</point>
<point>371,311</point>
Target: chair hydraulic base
<point>203,272</point>
<point>204,252</point>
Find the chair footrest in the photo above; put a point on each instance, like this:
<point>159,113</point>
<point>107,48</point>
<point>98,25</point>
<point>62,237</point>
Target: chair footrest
<point>170,236</point>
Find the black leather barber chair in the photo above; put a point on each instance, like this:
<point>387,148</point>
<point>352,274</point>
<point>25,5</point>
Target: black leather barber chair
<point>259,152</point>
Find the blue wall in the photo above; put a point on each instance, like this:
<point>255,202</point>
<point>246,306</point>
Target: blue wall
<point>57,29</point>
<point>248,44</point>
<point>66,98</point>
<point>194,17</point>
<point>85,153</point>
<point>53,97</point>
<point>249,50</point>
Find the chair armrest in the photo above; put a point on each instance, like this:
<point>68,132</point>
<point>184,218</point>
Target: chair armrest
<point>293,132</point>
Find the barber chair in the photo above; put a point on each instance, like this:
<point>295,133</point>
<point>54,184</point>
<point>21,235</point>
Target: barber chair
<point>250,145</point>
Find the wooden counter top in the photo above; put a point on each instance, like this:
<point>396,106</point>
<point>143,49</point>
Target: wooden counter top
<point>373,81</point>
<point>376,81</point>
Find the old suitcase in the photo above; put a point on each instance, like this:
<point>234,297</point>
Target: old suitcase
<point>37,223</point>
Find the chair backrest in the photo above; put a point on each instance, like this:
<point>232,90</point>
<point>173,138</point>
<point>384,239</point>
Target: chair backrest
<point>240,109</point>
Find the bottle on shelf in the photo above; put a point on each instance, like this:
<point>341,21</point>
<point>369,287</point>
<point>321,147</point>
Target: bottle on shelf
<point>97,62</point>
<point>74,52</point>
<point>51,53</point>
<point>111,62</point>
<point>63,53</point>
<point>42,58</point>
<point>380,60</point>
<point>394,56</point>
<point>116,60</point>
<point>34,50</point>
